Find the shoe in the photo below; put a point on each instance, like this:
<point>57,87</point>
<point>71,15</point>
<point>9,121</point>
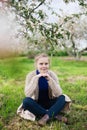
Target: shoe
<point>61,118</point>
<point>43,120</point>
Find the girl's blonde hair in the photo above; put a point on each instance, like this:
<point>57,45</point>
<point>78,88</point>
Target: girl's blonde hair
<point>41,56</point>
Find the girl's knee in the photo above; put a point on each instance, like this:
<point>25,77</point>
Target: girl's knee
<point>62,97</point>
<point>26,100</point>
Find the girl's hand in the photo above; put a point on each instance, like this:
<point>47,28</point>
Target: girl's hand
<point>46,75</point>
<point>39,75</point>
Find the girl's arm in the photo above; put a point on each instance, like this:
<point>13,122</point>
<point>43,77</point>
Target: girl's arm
<point>31,84</point>
<point>54,84</point>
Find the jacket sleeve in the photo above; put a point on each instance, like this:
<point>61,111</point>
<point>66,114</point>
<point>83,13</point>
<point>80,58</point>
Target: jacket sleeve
<point>30,84</point>
<point>54,84</point>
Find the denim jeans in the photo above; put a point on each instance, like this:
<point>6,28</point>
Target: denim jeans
<point>52,108</point>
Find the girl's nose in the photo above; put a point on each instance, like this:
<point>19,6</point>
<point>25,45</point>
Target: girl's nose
<point>44,65</point>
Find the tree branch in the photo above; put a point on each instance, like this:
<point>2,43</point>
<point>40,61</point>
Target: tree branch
<point>36,7</point>
<point>85,49</point>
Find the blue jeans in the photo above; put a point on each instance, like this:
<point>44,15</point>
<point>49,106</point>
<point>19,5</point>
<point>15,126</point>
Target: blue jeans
<point>52,108</point>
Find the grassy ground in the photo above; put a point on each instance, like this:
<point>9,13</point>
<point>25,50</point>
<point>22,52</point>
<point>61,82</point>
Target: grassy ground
<point>73,80</point>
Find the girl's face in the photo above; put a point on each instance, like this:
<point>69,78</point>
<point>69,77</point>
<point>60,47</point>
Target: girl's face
<point>42,64</point>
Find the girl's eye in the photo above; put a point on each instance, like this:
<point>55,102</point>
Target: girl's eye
<point>46,63</point>
<point>41,63</point>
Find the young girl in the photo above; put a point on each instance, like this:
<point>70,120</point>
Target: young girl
<point>44,96</point>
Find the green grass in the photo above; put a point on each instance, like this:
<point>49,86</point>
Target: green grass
<point>73,80</point>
